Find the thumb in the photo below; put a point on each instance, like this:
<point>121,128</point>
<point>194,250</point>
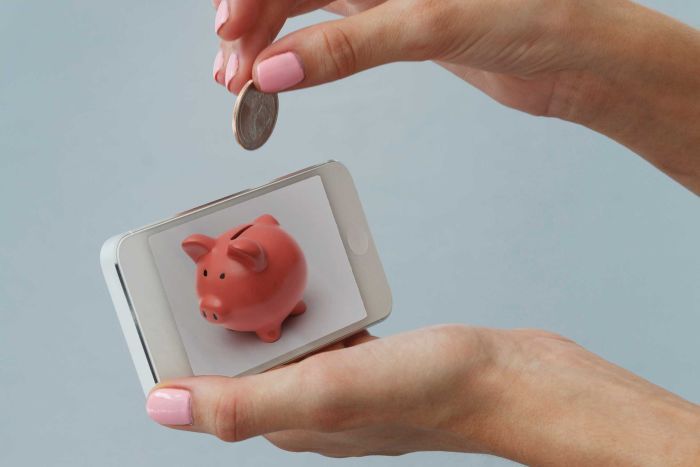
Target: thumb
<point>336,49</point>
<point>234,409</point>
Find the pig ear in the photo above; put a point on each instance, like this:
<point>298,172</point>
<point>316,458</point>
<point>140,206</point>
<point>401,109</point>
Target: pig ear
<point>266,219</point>
<point>197,246</point>
<point>248,252</point>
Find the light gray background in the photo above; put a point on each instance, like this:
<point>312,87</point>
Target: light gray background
<point>331,295</point>
<point>109,119</point>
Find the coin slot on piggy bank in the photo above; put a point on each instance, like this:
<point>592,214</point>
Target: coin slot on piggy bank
<point>250,278</point>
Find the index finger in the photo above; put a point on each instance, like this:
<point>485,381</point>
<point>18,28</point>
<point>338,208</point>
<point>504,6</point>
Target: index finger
<point>236,17</point>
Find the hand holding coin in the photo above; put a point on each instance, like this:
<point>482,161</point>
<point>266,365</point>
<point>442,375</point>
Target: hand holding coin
<point>598,65</point>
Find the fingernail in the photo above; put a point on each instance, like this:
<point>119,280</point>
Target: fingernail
<point>221,15</point>
<point>218,62</point>
<point>231,69</point>
<point>280,72</point>
<point>170,407</point>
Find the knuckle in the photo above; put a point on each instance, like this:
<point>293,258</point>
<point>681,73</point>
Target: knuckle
<point>340,50</point>
<point>225,419</point>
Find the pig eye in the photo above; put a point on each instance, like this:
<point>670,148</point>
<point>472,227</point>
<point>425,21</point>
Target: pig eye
<point>222,275</point>
<point>216,318</point>
<point>204,313</point>
<point>205,273</point>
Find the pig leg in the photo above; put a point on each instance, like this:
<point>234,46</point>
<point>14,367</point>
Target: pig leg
<point>269,333</point>
<point>298,309</point>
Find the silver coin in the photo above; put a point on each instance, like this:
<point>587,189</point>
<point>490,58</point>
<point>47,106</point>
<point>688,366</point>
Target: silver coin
<point>254,116</point>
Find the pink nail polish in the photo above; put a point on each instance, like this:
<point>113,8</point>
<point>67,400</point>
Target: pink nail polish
<point>170,407</point>
<point>231,69</point>
<point>221,15</point>
<point>218,62</point>
<point>280,72</point>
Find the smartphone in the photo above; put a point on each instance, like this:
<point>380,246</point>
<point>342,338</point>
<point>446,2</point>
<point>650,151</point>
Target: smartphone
<point>152,281</point>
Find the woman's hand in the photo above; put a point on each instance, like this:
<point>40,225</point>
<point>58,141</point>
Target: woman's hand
<point>514,51</point>
<point>530,396</point>
<point>611,65</point>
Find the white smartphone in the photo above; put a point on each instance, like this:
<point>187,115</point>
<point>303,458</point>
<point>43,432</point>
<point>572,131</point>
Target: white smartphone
<point>152,280</point>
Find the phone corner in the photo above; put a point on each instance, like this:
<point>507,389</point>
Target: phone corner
<point>108,251</point>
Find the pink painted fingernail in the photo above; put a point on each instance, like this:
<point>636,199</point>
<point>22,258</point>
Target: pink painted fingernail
<point>221,15</point>
<point>170,407</point>
<point>280,72</point>
<point>231,69</point>
<point>218,62</point>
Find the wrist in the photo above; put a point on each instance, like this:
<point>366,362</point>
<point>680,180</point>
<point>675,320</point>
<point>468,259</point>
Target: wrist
<point>544,400</point>
<point>637,81</point>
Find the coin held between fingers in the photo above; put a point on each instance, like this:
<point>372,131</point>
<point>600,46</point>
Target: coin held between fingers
<point>254,116</point>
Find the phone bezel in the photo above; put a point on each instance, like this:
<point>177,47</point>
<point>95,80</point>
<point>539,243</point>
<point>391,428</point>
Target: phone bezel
<point>143,309</point>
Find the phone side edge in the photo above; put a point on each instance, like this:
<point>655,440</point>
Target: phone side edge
<point>109,265</point>
<point>387,300</point>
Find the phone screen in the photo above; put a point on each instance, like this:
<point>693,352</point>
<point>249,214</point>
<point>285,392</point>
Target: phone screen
<point>332,296</point>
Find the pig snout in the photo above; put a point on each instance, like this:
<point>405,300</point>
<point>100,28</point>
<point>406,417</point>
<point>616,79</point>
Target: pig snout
<point>211,308</point>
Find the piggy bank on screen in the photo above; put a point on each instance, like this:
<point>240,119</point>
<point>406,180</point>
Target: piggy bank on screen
<point>250,278</point>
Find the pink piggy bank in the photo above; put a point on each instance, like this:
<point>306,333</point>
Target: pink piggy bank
<point>250,278</point>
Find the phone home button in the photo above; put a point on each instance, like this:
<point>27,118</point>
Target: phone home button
<point>358,241</point>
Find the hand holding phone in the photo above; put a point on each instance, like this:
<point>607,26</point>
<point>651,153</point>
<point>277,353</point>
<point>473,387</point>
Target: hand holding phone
<point>228,311</point>
<point>510,393</point>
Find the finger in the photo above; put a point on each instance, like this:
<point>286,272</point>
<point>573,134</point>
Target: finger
<point>355,339</point>
<point>329,348</point>
<point>359,338</point>
<point>336,49</point>
<point>235,409</point>
<point>236,17</point>
<point>234,72</point>
<point>339,7</point>
<point>338,444</point>
<point>241,53</point>
<point>226,62</point>
<point>307,6</point>
<point>218,71</point>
